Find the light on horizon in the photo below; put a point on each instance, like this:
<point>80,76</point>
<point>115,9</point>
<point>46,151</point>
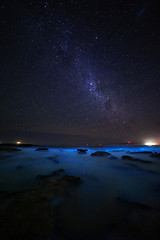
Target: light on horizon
<point>18,142</point>
<point>151,143</point>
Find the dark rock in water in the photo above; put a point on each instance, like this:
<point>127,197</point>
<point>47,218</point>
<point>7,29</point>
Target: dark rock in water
<point>117,151</point>
<point>134,204</point>
<point>82,150</point>
<point>100,153</point>
<point>143,152</point>
<point>132,165</point>
<point>4,157</point>
<point>113,157</point>
<point>42,149</point>
<point>57,200</point>
<point>71,179</point>
<point>53,174</point>
<point>26,216</point>
<point>30,214</point>
<point>10,149</point>
<point>20,167</point>
<point>54,159</point>
<point>156,155</point>
<point>157,189</point>
<point>2,193</point>
<point>126,157</point>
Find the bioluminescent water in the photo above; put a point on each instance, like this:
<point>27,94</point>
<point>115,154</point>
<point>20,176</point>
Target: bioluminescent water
<point>92,209</point>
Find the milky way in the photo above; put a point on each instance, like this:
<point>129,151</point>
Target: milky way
<point>81,67</point>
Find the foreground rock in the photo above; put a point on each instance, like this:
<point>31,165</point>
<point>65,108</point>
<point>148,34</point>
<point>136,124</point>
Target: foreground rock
<point>155,155</point>
<point>134,204</point>
<point>140,152</point>
<point>57,173</point>
<point>100,153</point>
<point>126,157</point>
<point>54,159</point>
<point>113,157</point>
<point>31,214</point>
<point>42,149</point>
<point>117,151</point>
<point>82,150</point>
<point>70,179</point>
<point>10,149</point>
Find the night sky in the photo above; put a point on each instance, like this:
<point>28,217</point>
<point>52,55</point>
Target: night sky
<point>78,67</point>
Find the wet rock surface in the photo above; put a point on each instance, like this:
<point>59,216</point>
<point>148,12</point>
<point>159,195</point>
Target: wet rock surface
<point>113,157</point>
<point>20,167</point>
<point>126,157</point>
<point>41,149</point>
<point>5,157</point>
<point>155,155</point>
<point>30,214</point>
<point>80,150</point>
<point>57,173</point>
<point>12,149</point>
<point>134,204</point>
<point>54,159</point>
<point>100,154</point>
<point>140,152</point>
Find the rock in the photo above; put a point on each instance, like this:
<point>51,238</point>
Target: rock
<point>140,152</point>
<point>70,179</point>
<point>113,157</point>
<point>26,216</point>
<point>57,200</point>
<point>132,165</point>
<point>126,157</point>
<point>42,149</point>
<point>20,167</point>
<point>10,149</point>
<point>30,214</point>
<point>155,155</point>
<point>117,151</point>
<point>100,153</point>
<point>134,204</point>
<point>53,159</point>
<point>82,150</point>
<point>53,174</point>
<point>4,157</point>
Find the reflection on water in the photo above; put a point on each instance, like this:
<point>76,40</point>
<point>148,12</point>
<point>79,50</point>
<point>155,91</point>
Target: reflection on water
<point>92,210</point>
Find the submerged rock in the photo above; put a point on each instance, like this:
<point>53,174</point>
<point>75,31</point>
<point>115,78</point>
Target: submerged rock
<point>54,159</point>
<point>26,216</point>
<point>42,149</point>
<point>134,204</point>
<point>155,155</point>
<point>70,179</point>
<point>140,152</point>
<point>4,157</point>
<point>20,167</point>
<point>30,214</point>
<point>113,157</point>
<point>126,157</point>
<point>117,151</point>
<point>82,150</point>
<point>100,153</point>
<point>10,149</point>
<point>56,173</point>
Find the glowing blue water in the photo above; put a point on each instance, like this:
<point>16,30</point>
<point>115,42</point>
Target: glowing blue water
<point>94,202</point>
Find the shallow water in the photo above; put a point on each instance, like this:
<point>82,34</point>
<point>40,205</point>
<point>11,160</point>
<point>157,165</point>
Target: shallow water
<point>91,210</point>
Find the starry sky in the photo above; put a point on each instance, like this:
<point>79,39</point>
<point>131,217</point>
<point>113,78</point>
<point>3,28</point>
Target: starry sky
<point>80,67</point>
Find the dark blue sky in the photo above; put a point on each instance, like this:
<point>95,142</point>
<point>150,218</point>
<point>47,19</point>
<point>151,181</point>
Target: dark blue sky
<point>82,67</point>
